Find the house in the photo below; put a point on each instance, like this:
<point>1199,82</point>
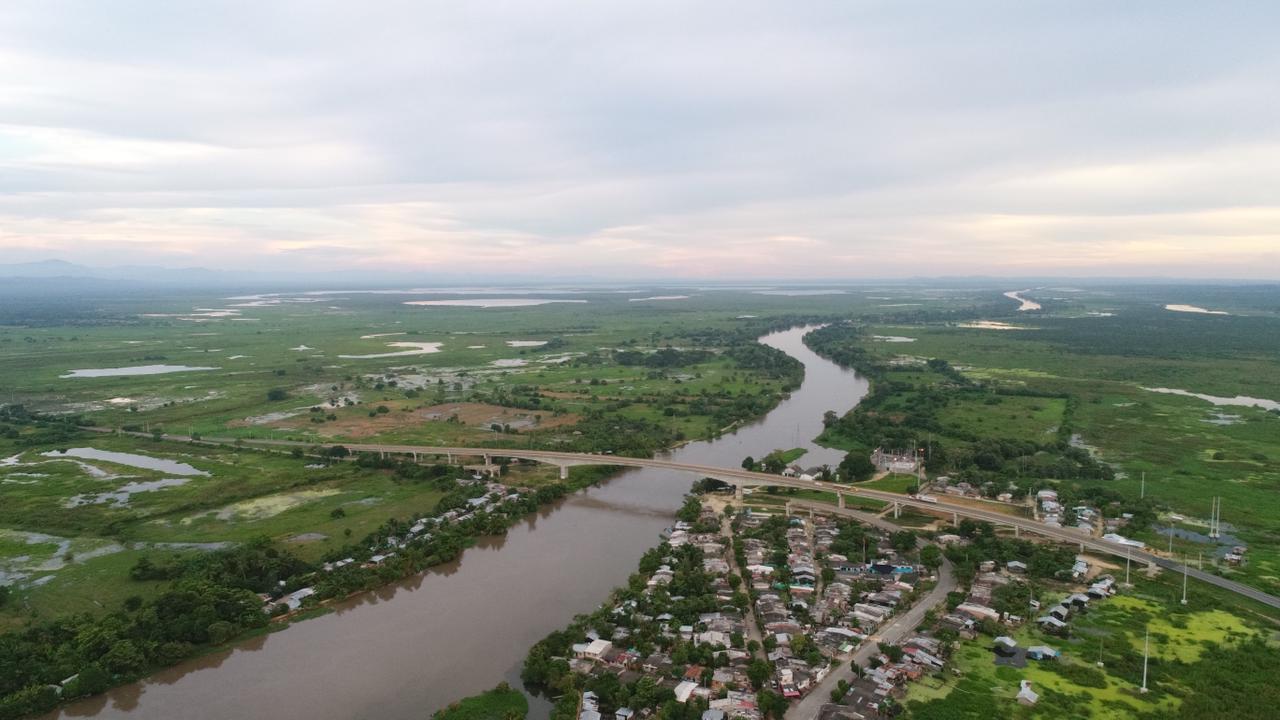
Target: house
<point>1042,652</point>
<point>1005,645</point>
<point>624,713</point>
<point>1016,566</point>
<point>684,691</point>
<point>978,612</point>
<point>594,650</point>
<point>1052,624</point>
<point>294,599</point>
<point>713,714</point>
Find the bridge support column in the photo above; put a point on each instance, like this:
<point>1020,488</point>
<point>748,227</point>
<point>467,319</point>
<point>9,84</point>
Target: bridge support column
<point>955,519</point>
<point>487,460</point>
<point>788,508</point>
<point>415,457</point>
<point>448,458</point>
<point>897,511</point>
<point>564,472</point>
<point>737,495</point>
<point>1015,531</point>
<point>840,500</point>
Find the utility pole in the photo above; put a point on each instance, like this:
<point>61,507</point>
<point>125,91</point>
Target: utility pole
<point>1184,578</point>
<point>1128,556</point>
<point>1146,651</point>
<point>1100,663</point>
<point>1142,494</point>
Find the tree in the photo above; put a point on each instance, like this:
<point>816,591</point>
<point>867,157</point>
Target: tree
<point>748,463</point>
<point>930,556</point>
<point>856,466</point>
<point>903,541</point>
<point>277,394</point>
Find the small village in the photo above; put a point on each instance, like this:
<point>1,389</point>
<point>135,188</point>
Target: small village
<point>489,497</point>
<point>741,613</point>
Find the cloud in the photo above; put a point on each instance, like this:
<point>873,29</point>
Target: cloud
<point>832,139</point>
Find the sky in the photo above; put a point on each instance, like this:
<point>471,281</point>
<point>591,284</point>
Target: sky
<point>658,139</point>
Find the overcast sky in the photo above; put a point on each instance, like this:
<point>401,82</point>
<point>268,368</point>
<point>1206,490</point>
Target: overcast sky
<point>684,139</point>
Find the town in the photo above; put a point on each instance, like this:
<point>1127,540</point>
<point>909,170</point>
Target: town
<point>774,611</point>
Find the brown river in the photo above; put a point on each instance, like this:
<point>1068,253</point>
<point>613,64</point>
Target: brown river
<point>408,649</point>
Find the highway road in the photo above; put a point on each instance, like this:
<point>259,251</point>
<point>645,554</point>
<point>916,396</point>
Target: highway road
<point>740,477</point>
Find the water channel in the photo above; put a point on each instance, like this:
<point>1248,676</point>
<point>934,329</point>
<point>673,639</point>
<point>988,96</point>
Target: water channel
<point>408,649</point>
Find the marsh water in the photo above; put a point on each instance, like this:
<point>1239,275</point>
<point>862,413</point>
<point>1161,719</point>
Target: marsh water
<point>408,649</point>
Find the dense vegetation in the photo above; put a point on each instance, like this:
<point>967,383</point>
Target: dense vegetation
<point>213,597</point>
<point>904,414</point>
<point>500,703</point>
<point>212,600</point>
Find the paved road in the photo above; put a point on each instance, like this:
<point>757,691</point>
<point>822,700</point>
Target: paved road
<point>746,477</point>
<point>901,625</point>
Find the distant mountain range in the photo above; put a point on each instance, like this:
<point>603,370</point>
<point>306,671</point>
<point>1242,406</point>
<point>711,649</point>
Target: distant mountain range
<point>71,277</point>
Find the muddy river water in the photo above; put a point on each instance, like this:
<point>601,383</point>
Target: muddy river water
<point>406,650</point>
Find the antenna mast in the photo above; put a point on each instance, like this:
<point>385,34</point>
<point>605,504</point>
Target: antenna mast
<point>1184,578</point>
<point>1146,651</point>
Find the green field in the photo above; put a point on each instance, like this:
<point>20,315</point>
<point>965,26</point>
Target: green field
<point>610,375</point>
<point>1214,635</point>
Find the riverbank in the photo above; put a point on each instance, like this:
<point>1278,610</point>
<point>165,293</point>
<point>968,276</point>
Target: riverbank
<point>479,612</point>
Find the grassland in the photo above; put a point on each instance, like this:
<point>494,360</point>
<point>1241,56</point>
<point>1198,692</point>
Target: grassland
<point>1087,378</point>
<point>500,703</point>
<point>1186,641</point>
<point>1078,371</point>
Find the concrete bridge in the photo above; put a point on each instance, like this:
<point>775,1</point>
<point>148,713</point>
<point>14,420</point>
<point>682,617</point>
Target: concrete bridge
<point>740,478</point>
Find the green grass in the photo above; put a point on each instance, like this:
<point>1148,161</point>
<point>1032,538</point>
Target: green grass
<point>500,703</point>
<point>1114,630</point>
<point>893,482</point>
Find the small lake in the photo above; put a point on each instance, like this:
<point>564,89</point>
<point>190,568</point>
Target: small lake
<point>1194,309</point>
<point>490,302</point>
<point>415,348</point>
<point>172,467</point>
<point>121,496</point>
<point>799,293</point>
<point>135,370</point>
<point>1242,400</point>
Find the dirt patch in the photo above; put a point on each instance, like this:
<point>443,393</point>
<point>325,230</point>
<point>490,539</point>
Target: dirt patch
<point>480,414</point>
<point>356,422</point>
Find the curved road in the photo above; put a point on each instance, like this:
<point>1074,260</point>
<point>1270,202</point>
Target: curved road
<point>740,477</point>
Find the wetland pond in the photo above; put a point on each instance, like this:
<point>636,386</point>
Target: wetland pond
<point>132,371</point>
<point>146,462</point>
<point>410,648</point>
